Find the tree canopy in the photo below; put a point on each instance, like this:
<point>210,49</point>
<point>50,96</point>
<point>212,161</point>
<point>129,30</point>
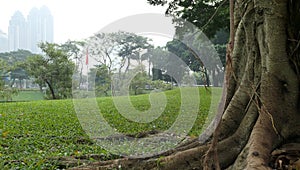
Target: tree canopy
<point>6,91</point>
<point>208,15</point>
<point>53,70</point>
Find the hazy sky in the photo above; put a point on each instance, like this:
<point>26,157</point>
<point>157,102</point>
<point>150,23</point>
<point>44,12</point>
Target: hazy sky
<point>77,19</point>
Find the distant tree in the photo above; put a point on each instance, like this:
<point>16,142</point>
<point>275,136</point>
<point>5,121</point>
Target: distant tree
<point>212,18</point>
<point>16,70</point>
<point>156,58</point>
<point>165,65</point>
<point>195,63</point>
<point>160,85</point>
<point>6,92</point>
<point>75,51</point>
<point>188,57</point>
<point>156,74</point>
<point>53,70</point>
<point>182,51</point>
<point>102,47</point>
<point>220,41</point>
<point>15,56</point>
<point>139,82</point>
<point>130,48</point>
<point>100,78</point>
<point>127,46</point>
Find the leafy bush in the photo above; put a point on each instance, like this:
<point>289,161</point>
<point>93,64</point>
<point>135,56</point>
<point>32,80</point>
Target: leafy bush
<point>161,85</point>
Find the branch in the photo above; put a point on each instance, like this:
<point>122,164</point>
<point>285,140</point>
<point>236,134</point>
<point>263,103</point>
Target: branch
<point>213,16</point>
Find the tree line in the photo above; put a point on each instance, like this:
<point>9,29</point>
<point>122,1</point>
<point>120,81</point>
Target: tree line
<point>115,54</point>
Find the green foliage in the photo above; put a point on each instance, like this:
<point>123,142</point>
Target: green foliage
<point>200,78</point>
<point>130,48</point>
<point>212,18</point>
<point>220,40</point>
<point>201,13</point>
<point>156,74</point>
<point>139,82</point>
<point>15,67</point>
<point>6,92</point>
<point>15,56</point>
<point>102,46</point>
<point>126,45</point>
<point>72,48</point>
<point>194,62</point>
<point>161,85</point>
<point>100,77</point>
<point>54,70</point>
<point>157,56</point>
<point>131,45</point>
<point>165,63</point>
<point>221,49</point>
<point>183,52</point>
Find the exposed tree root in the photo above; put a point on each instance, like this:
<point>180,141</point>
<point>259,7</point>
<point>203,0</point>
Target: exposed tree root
<point>190,154</point>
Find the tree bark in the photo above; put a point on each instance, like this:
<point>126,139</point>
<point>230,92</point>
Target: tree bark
<point>261,106</point>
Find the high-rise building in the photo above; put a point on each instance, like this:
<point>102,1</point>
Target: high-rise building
<point>17,32</point>
<point>28,34</point>
<point>3,42</point>
<point>33,31</point>
<point>40,27</point>
<point>46,24</point>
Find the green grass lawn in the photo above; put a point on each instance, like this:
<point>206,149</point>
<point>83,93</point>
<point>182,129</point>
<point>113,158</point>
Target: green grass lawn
<point>28,95</point>
<point>41,134</point>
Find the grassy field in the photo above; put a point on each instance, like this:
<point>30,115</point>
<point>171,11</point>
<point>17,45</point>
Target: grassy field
<point>46,134</point>
<point>28,95</point>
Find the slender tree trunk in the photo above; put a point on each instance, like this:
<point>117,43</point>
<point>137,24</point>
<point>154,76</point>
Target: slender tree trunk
<point>12,82</point>
<point>207,81</point>
<point>128,65</point>
<point>21,85</point>
<point>80,76</point>
<point>110,61</point>
<point>149,70</point>
<point>51,89</point>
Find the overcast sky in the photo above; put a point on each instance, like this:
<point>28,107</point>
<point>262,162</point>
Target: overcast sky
<point>77,19</point>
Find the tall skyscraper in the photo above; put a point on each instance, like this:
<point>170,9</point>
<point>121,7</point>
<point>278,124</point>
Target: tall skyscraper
<point>3,42</point>
<point>28,34</point>
<point>46,24</point>
<point>40,27</point>
<point>33,31</point>
<point>17,32</point>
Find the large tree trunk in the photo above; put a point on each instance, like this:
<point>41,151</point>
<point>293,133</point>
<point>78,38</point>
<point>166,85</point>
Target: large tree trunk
<point>261,111</point>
